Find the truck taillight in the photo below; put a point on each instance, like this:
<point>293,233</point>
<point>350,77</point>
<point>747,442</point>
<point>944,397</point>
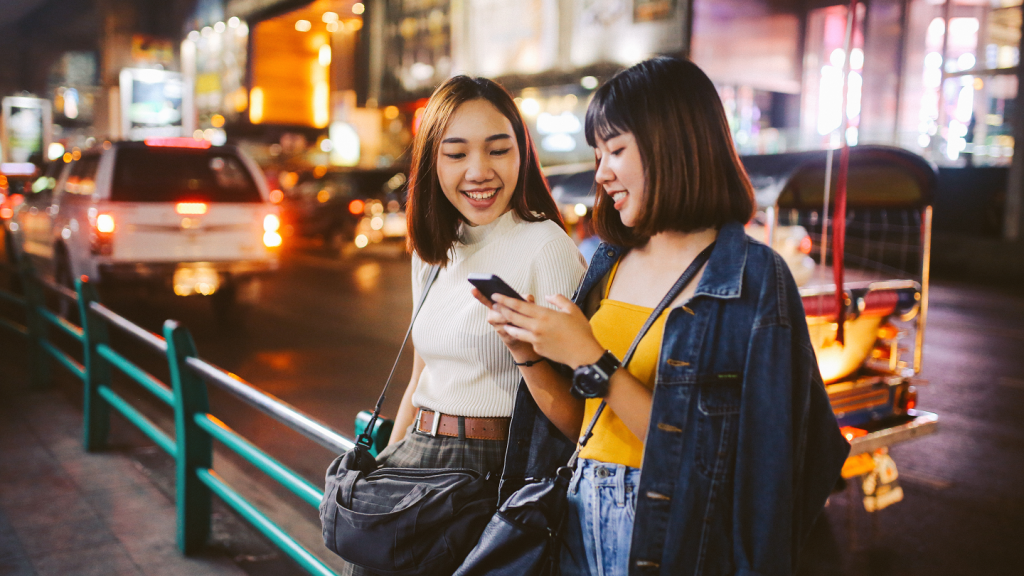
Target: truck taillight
<point>271,236</point>
<point>105,224</point>
<point>195,208</point>
<point>271,239</point>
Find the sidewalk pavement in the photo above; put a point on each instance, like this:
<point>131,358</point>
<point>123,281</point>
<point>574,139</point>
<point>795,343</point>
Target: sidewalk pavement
<point>67,512</point>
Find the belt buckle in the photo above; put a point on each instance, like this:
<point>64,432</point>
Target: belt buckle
<point>433,425</point>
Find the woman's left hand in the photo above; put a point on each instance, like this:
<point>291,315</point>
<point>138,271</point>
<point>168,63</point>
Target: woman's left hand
<point>563,335</point>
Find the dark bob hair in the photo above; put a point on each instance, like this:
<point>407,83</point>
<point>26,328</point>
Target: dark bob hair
<point>694,176</point>
<point>433,220</point>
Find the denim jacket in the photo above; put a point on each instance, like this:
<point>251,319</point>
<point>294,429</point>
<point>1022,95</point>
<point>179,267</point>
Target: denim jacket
<point>742,449</point>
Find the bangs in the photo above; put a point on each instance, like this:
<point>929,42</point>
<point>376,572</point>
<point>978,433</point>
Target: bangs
<point>606,116</point>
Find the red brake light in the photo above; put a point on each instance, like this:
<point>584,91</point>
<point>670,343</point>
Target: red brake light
<point>356,207</point>
<point>910,399</point>
<point>178,142</point>
<point>190,208</point>
<point>805,245</point>
<point>105,223</point>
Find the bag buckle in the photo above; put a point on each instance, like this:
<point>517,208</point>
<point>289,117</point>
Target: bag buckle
<point>433,425</point>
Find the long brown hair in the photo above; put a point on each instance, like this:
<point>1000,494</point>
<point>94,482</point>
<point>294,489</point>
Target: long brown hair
<point>433,220</point>
<point>694,176</point>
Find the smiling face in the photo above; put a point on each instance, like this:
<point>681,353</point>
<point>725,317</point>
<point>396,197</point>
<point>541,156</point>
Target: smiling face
<point>620,171</point>
<point>478,163</point>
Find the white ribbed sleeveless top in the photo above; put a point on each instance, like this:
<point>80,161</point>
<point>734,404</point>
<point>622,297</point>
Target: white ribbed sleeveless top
<point>469,371</point>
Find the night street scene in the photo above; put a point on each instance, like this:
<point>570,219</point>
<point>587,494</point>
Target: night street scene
<point>219,216</point>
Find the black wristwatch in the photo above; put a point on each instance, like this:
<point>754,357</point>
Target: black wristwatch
<point>591,380</point>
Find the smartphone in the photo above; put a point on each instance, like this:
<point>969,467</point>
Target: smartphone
<point>489,285</point>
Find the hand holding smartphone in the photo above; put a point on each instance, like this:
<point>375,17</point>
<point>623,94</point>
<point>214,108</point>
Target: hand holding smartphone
<point>490,284</point>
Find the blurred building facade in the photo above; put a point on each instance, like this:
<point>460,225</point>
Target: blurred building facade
<point>306,83</point>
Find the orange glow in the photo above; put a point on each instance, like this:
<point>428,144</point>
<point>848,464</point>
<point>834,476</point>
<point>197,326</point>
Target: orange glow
<point>6,212</point>
<point>105,223</point>
<point>217,121</point>
<point>190,208</point>
<point>850,432</point>
<point>888,331</point>
<point>356,207</point>
<point>256,105</point>
<point>294,84</point>
<point>177,142</point>
<point>66,157</point>
<point>276,196</point>
<point>3,181</point>
<point>323,196</point>
<point>417,117</point>
<point>805,245</point>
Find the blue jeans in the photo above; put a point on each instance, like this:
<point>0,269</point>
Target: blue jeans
<point>602,506</point>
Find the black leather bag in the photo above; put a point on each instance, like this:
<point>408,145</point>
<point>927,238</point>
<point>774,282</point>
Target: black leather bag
<point>524,538</point>
<point>403,521</point>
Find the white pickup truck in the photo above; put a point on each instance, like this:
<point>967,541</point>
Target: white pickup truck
<point>174,213</point>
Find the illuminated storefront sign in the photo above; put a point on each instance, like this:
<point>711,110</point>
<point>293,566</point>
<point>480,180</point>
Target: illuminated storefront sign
<point>299,58</point>
<point>214,60</point>
<point>152,104</point>
<point>26,129</point>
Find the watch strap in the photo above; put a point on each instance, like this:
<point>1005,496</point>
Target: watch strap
<point>671,295</point>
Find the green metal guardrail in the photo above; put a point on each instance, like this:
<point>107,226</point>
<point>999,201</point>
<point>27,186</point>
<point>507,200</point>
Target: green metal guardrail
<point>195,428</point>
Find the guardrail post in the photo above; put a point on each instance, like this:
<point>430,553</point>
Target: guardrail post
<point>194,445</point>
<point>96,411</point>
<point>40,367</point>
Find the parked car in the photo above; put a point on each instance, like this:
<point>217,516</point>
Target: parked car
<point>173,213</point>
<point>346,208</point>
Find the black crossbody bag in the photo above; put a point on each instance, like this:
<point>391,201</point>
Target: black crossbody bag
<point>524,538</point>
<point>403,521</point>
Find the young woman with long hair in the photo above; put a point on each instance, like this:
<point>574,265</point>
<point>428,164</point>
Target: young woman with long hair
<point>722,407</point>
<point>478,203</point>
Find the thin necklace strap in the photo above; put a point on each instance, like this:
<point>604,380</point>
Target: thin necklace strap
<point>673,292</point>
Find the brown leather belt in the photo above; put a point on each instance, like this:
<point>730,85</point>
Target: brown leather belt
<point>447,425</point>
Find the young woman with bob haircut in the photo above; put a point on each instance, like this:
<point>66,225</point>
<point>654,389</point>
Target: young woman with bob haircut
<point>722,406</point>
<point>478,203</point>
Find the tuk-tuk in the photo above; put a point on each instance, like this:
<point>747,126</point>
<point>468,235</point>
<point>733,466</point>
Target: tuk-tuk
<point>871,376</point>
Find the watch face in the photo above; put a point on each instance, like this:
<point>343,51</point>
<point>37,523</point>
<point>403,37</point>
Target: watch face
<point>589,382</point>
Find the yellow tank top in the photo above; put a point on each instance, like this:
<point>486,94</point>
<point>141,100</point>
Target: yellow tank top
<point>615,325</point>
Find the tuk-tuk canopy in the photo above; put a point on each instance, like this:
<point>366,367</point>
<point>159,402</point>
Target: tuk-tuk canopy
<point>879,177</point>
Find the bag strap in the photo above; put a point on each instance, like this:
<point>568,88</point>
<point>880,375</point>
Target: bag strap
<point>365,439</point>
<point>673,292</point>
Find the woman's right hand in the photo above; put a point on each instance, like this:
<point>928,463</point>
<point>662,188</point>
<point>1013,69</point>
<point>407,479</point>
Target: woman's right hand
<point>521,351</point>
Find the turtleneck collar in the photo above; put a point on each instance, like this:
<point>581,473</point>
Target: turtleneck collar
<point>472,235</point>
